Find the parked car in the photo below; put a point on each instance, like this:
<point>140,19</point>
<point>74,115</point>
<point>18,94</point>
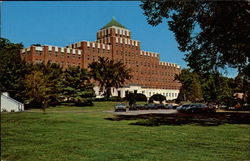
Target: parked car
<point>150,106</point>
<point>195,108</point>
<point>160,106</point>
<point>120,107</point>
<point>168,106</point>
<point>136,107</point>
<point>182,108</point>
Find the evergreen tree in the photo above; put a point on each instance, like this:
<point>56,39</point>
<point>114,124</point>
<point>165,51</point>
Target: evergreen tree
<point>75,86</point>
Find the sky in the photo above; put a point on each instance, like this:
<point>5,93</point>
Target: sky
<point>62,23</point>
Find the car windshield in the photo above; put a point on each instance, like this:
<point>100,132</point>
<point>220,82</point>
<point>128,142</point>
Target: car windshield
<point>185,105</point>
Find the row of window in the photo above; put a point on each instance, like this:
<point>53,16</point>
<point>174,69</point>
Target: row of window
<point>98,51</point>
<point>164,94</point>
<point>65,63</point>
<point>127,46</point>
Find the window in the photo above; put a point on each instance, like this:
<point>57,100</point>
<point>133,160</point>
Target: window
<point>39,52</point>
<point>50,53</point>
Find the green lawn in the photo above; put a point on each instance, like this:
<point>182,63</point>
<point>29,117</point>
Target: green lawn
<point>34,136</point>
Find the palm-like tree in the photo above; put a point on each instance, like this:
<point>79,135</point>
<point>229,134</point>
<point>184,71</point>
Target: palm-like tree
<point>108,74</point>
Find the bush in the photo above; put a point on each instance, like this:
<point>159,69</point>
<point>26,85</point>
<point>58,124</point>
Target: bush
<point>157,97</point>
<point>140,97</point>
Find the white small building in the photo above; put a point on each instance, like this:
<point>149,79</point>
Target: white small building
<point>9,104</point>
<point>170,94</point>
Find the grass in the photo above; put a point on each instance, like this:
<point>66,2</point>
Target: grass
<point>89,136</point>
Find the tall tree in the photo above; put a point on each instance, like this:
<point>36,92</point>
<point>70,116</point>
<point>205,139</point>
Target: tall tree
<point>75,86</point>
<point>242,85</point>
<point>108,74</point>
<point>216,88</point>
<point>36,90</point>
<point>12,69</point>
<point>191,86</point>
<point>214,34</point>
<point>51,72</point>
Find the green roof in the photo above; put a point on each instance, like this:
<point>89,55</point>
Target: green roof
<point>113,22</point>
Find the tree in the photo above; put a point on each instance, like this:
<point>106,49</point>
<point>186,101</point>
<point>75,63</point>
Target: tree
<point>36,90</point>
<point>214,34</point>
<point>242,85</point>
<point>191,89</point>
<point>131,98</point>
<point>52,73</point>
<point>12,69</point>
<point>216,88</point>
<point>108,74</point>
<point>75,86</point>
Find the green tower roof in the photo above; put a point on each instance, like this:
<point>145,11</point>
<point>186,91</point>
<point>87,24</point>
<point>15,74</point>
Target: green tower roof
<point>113,22</point>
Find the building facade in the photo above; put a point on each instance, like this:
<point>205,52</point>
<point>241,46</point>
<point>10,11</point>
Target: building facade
<point>114,41</point>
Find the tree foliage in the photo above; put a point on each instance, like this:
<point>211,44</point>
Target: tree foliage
<point>41,85</point>
<point>12,69</point>
<point>214,34</point>
<point>209,88</point>
<point>108,73</point>
<point>75,86</point>
<point>36,89</point>
<point>191,89</point>
<point>52,73</point>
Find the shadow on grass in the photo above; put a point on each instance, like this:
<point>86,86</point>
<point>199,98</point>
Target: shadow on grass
<point>185,118</point>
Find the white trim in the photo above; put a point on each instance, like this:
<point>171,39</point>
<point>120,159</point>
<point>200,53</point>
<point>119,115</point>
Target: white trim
<point>68,50</point>
<point>39,48</point>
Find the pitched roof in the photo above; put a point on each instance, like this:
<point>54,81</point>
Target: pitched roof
<point>113,22</point>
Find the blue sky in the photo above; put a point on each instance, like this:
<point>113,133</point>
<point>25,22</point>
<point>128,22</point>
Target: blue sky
<point>63,23</point>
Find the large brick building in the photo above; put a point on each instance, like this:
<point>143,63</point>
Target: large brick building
<point>150,75</point>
